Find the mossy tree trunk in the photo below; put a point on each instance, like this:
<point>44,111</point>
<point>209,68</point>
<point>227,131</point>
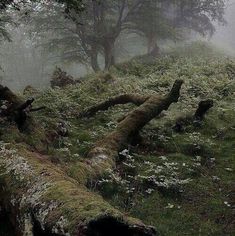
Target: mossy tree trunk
<point>42,200</point>
<point>121,99</point>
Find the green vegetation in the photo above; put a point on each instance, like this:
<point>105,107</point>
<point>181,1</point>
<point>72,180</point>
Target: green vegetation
<point>181,183</point>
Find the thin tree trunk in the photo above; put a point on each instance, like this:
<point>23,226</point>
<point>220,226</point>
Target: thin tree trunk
<point>17,110</point>
<point>152,47</point>
<point>109,54</point>
<point>193,119</point>
<point>94,59</point>
<point>203,108</point>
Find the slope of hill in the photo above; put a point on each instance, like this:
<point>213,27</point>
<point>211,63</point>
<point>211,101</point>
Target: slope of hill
<point>180,182</point>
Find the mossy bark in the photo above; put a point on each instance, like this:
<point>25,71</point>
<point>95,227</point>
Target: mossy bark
<point>121,99</point>
<point>43,200</point>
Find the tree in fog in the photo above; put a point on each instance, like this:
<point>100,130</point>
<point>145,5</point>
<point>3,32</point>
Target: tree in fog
<point>151,22</point>
<point>198,15</point>
<point>168,19</point>
<point>86,35</point>
<point>89,31</point>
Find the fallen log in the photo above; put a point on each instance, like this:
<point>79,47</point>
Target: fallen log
<point>42,200</point>
<point>103,155</point>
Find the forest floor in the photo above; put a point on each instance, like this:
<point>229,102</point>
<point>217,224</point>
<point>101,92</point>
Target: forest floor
<point>181,183</point>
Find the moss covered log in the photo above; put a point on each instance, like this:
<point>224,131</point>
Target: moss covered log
<point>103,155</point>
<point>42,200</point>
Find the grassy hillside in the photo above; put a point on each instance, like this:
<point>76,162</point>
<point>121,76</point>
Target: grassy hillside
<point>181,183</point>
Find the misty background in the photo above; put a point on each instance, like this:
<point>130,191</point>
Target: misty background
<point>25,60</point>
<point>225,34</point>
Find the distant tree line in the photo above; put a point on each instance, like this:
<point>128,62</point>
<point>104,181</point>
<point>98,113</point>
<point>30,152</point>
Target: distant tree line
<point>84,31</point>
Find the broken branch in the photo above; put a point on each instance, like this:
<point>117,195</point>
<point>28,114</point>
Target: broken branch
<point>121,99</point>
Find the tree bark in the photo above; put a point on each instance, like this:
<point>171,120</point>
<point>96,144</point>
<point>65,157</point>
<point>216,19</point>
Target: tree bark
<point>152,47</point>
<point>203,108</point>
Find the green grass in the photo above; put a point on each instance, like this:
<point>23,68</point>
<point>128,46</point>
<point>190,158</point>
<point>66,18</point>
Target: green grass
<point>193,192</point>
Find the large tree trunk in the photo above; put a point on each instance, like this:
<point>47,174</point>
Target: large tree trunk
<point>41,200</point>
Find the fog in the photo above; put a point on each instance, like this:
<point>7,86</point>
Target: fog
<point>26,61</point>
<point>225,34</point>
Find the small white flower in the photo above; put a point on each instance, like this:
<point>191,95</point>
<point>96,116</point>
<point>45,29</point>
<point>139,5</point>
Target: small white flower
<point>4,107</point>
<point>164,158</point>
<point>227,204</point>
<point>229,169</point>
<point>170,206</point>
<point>149,191</point>
<point>124,152</point>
